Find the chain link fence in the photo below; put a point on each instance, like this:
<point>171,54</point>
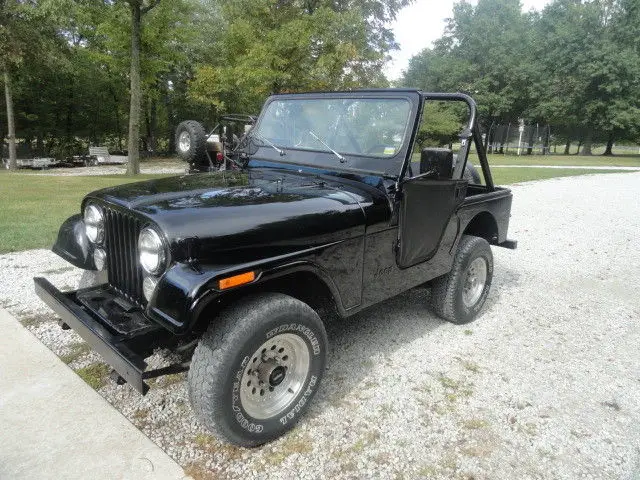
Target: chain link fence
<point>519,139</point>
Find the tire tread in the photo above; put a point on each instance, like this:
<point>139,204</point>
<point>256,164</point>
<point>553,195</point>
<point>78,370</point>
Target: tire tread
<point>444,288</point>
<point>215,352</point>
<point>198,151</point>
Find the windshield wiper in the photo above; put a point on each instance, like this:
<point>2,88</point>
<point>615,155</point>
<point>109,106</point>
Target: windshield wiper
<point>340,157</point>
<point>268,142</point>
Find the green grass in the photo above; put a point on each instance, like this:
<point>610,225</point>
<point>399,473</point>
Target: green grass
<point>507,176</point>
<point>562,160</point>
<point>32,207</point>
<point>95,374</point>
<point>628,160</point>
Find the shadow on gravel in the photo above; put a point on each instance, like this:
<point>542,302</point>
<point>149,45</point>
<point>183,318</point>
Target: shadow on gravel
<point>359,343</point>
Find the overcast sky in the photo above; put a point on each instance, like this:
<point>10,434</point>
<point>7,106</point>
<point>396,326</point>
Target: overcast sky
<point>419,24</point>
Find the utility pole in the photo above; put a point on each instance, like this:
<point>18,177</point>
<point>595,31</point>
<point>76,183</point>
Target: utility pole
<point>521,130</point>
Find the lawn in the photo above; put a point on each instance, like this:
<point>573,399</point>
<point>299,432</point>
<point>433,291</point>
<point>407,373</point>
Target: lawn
<point>508,176</point>
<point>562,160</point>
<point>32,207</point>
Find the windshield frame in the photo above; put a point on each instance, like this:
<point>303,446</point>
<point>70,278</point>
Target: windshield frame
<point>324,159</point>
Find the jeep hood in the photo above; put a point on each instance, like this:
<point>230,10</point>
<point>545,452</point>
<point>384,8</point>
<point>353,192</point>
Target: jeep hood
<point>244,212</point>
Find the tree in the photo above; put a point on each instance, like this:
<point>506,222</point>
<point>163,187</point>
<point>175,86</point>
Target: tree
<point>286,46</point>
<point>138,9</point>
<point>482,52</point>
<point>11,128</point>
<point>575,65</point>
<point>27,36</point>
<point>589,75</point>
<point>12,43</point>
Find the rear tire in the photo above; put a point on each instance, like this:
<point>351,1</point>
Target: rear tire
<point>191,142</point>
<point>459,295</point>
<point>471,174</point>
<point>257,367</point>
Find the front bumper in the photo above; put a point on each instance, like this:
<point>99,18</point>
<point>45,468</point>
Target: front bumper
<point>114,347</point>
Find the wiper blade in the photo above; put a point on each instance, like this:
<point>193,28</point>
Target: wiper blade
<point>340,157</point>
<point>268,142</point>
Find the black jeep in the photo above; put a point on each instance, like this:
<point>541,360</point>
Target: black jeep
<point>235,270</point>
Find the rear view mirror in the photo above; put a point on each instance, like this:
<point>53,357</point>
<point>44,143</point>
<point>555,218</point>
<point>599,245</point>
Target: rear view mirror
<point>437,161</point>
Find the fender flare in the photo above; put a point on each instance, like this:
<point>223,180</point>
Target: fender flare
<point>210,293</point>
<point>73,245</point>
<point>183,292</point>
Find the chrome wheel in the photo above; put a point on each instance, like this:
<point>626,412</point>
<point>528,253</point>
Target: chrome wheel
<point>475,279</point>
<point>184,142</point>
<point>274,376</point>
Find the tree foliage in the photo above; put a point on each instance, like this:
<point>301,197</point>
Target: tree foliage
<point>575,65</point>
<point>70,63</point>
<point>273,47</point>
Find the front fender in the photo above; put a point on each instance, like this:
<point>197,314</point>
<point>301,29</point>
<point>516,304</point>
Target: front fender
<point>184,291</point>
<point>73,245</point>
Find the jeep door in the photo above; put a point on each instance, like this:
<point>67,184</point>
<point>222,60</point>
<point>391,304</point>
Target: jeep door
<point>425,211</point>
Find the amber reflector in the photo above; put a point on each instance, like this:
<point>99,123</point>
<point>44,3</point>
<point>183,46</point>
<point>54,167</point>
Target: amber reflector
<point>237,280</point>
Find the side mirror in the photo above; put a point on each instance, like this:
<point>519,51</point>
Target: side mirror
<point>438,161</point>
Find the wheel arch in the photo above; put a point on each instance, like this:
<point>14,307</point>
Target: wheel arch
<point>483,225</point>
<point>304,284</point>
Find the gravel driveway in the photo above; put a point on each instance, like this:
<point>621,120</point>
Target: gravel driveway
<point>545,384</point>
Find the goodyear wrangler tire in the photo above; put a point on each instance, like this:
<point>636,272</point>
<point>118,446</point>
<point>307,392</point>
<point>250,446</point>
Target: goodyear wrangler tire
<point>459,295</point>
<point>257,368</point>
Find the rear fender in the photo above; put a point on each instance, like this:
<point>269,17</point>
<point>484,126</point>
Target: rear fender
<point>73,245</point>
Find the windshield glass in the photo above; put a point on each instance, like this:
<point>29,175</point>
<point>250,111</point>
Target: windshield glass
<point>373,127</point>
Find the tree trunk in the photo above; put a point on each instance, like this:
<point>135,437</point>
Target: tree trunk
<point>11,126</point>
<point>586,149</point>
<point>579,147</point>
<point>40,143</point>
<point>609,150</point>
<point>69,114</point>
<point>153,124</point>
<point>118,124</point>
<point>170,122</point>
<point>567,147</point>
<point>133,166</point>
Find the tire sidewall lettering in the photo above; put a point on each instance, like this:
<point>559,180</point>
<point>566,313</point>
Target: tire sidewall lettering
<point>236,407</point>
<point>282,421</point>
<point>297,328</point>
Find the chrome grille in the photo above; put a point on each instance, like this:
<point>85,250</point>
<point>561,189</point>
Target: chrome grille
<point>125,273</point>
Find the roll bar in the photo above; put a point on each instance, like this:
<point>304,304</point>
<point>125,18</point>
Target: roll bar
<point>470,132</point>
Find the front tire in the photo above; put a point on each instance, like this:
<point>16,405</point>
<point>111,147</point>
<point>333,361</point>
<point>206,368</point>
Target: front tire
<point>257,367</point>
<point>459,295</point>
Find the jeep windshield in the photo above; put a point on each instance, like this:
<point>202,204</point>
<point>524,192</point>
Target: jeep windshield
<point>363,133</point>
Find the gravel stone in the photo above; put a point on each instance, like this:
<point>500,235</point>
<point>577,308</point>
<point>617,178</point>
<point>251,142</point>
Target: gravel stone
<point>544,385</point>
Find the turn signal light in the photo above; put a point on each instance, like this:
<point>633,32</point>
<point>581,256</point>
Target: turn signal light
<point>236,280</point>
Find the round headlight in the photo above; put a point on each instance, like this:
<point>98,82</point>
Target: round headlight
<point>151,251</point>
<point>94,224</point>
<point>100,258</point>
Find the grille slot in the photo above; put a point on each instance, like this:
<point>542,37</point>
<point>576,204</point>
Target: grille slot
<point>125,274</point>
